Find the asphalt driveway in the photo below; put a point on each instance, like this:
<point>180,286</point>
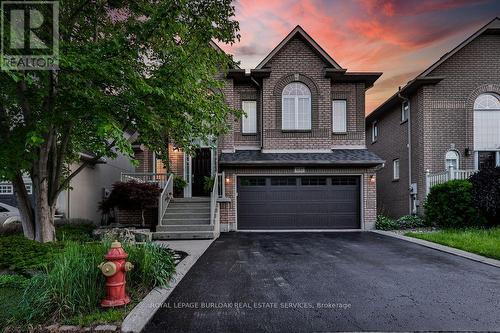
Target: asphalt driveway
<point>304,282</point>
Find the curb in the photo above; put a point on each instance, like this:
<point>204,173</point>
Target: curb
<point>142,313</point>
<point>442,248</point>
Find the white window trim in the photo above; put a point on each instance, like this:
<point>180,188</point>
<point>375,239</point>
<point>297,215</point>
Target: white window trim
<point>10,191</point>
<point>404,117</point>
<point>344,125</point>
<point>245,117</point>
<point>457,155</point>
<point>374,130</point>
<point>296,109</point>
<point>395,170</point>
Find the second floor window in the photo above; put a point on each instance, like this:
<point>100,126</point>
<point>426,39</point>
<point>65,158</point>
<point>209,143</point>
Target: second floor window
<point>374,131</point>
<point>339,116</point>
<point>249,119</point>
<point>405,111</point>
<point>296,107</point>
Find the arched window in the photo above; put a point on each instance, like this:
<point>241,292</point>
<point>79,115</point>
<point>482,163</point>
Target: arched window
<point>296,107</point>
<point>452,160</point>
<point>487,130</point>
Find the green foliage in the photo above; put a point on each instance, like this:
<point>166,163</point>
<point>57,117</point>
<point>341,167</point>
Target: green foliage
<point>451,205</point>
<point>208,183</point>
<point>385,223</point>
<point>24,256</point>
<point>13,281</point>
<point>100,316</point>
<point>179,184</point>
<point>485,242</point>
<point>125,67</point>
<point>74,287</point>
<point>404,222</point>
<point>486,193</point>
<point>410,221</point>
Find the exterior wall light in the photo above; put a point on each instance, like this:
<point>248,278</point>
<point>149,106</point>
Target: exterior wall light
<point>373,179</point>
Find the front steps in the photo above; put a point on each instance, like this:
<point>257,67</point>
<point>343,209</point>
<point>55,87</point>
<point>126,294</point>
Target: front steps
<point>186,218</point>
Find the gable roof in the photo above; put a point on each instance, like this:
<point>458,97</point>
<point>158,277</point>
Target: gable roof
<point>299,31</point>
<point>424,77</point>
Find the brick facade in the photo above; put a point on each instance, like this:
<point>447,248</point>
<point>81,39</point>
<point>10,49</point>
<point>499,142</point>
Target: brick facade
<point>297,60</point>
<point>441,120</point>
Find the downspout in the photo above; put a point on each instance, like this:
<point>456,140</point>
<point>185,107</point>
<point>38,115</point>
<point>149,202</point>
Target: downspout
<point>261,112</point>
<point>408,123</point>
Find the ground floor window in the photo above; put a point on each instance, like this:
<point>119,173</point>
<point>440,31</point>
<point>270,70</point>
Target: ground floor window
<point>487,159</point>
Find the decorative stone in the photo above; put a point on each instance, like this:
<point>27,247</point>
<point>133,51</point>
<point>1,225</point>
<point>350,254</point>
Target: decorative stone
<point>105,328</point>
<point>52,328</point>
<point>69,329</point>
<point>143,235</point>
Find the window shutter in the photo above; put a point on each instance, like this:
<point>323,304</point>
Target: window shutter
<point>339,116</point>
<point>249,121</point>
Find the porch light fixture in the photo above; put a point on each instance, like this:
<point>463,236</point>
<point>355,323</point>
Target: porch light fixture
<point>373,179</point>
<point>228,180</point>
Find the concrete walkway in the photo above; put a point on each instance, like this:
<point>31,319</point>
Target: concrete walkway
<point>144,311</point>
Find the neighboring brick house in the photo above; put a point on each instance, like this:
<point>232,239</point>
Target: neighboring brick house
<point>298,160</point>
<point>452,112</point>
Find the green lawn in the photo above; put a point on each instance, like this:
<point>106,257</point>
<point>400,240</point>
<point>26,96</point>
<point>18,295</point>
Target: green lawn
<point>485,242</point>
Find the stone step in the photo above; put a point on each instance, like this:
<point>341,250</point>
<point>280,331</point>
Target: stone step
<point>183,235</point>
<point>191,200</point>
<point>181,215</point>
<point>188,206</point>
<point>188,210</point>
<point>169,221</point>
<point>185,227</point>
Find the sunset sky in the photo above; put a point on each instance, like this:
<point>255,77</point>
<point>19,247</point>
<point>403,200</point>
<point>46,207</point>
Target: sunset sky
<point>398,38</point>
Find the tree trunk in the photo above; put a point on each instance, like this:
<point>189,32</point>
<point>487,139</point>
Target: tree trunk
<point>24,206</point>
<point>44,212</point>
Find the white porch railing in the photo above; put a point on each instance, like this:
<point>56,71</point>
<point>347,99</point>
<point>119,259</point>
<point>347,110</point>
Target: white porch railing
<point>214,205</point>
<point>444,176</point>
<point>165,197</point>
<point>159,178</point>
<point>220,181</point>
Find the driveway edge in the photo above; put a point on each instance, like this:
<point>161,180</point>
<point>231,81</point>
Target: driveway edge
<point>142,313</point>
<point>442,248</point>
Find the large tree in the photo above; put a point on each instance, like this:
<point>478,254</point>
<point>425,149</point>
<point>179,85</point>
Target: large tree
<point>125,66</point>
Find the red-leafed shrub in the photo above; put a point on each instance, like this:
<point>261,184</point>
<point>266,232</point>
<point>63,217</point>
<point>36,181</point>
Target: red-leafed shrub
<point>131,195</point>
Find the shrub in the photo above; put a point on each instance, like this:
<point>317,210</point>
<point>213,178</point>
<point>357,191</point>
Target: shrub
<point>208,183</point>
<point>385,223</point>
<point>410,221</point>
<point>451,205</point>
<point>179,185</point>
<point>131,195</point>
<point>14,281</point>
<point>74,286</point>
<point>486,193</point>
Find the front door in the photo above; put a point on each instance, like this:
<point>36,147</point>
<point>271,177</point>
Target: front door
<point>201,168</point>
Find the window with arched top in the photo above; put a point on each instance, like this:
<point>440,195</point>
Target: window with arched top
<point>296,107</point>
<point>487,122</point>
<point>452,159</point>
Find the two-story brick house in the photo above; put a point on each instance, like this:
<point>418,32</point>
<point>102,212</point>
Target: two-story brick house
<point>298,159</point>
<point>443,124</point>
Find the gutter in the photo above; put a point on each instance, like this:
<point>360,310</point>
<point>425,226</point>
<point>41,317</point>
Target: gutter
<point>408,124</point>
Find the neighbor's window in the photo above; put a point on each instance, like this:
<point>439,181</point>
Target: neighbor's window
<point>339,116</point>
<point>296,107</point>
<point>249,119</point>
<point>405,111</point>
<point>451,160</point>
<point>374,131</point>
<point>29,188</point>
<point>6,189</point>
<point>395,169</point>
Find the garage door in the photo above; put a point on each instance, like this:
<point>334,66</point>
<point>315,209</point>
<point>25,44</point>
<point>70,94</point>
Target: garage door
<point>308,202</point>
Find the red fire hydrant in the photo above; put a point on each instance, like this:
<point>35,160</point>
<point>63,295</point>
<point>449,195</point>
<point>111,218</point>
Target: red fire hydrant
<point>115,269</point>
